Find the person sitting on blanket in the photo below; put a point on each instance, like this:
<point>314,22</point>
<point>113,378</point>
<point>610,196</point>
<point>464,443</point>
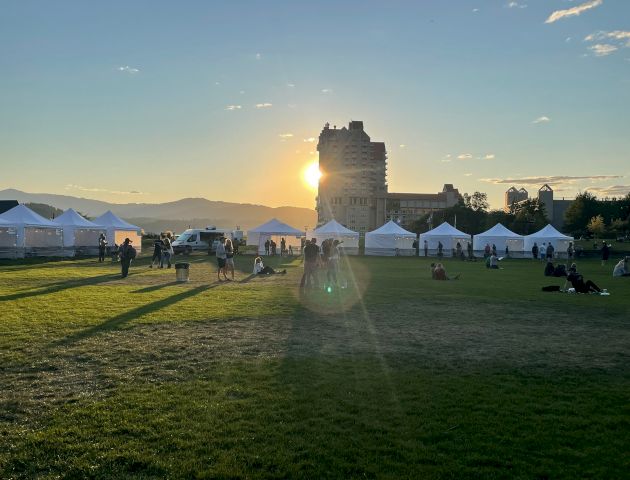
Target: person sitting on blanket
<point>260,269</point>
<point>577,281</point>
<point>549,269</point>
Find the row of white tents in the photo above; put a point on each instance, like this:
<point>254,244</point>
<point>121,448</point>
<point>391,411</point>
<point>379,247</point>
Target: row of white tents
<point>391,239</point>
<point>25,233</point>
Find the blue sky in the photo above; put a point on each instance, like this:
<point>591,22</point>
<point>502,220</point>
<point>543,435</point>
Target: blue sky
<point>154,101</point>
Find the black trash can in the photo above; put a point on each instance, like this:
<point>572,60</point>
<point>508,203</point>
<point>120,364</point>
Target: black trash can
<point>182,271</point>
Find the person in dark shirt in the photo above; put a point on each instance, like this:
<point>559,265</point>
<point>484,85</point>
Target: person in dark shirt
<point>157,252</point>
<point>577,281</point>
<point>127,254</point>
<point>605,253</point>
<point>549,269</point>
<point>535,251</point>
<point>311,261</point>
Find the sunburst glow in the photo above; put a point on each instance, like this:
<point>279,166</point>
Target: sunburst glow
<point>311,175</point>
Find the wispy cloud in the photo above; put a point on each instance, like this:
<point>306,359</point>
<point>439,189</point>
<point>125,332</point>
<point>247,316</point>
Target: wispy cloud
<point>233,107</point>
<point>602,49</point>
<point>447,158</point>
<point>464,156</point>
<point>310,139</point>
<point>402,145</point>
<point>326,90</point>
<point>475,10</point>
<point>467,174</point>
<point>71,186</point>
<point>129,70</point>
<point>611,191</point>
<point>571,12</point>
<point>489,156</point>
<point>290,85</point>
<point>516,5</point>
<point>551,180</point>
<point>543,119</point>
<point>258,56</point>
<point>285,135</point>
<point>608,42</point>
<point>264,105</point>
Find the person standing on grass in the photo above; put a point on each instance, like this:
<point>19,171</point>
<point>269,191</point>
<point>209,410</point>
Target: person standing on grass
<point>283,246</point>
<point>311,260</point>
<point>470,250</point>
<point>167,251</point>
<point>157,252</point>
<point>426,248</point>
<point>440,250</point>
<point>605,252</point>
<point>570,252</point>
<point>102,245</point>
<point>229,256</point>
<point>127,254</point>
<point>267,247</point>
<point>535,251</point>
<point>550,251</point>
<point>221,258</point>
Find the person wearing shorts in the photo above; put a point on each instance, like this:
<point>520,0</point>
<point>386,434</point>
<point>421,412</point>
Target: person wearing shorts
<point>221,259</point>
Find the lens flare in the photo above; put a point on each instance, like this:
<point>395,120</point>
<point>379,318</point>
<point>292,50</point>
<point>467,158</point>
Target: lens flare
<point>311,175</point>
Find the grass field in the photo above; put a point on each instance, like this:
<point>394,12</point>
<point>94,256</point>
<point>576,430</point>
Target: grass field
<point>396,376</point>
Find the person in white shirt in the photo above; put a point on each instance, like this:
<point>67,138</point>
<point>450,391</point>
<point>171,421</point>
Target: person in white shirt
<point>260,269</point>
<point>622,269</point>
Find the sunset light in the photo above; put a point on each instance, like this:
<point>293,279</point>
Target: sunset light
<point>311,175</point>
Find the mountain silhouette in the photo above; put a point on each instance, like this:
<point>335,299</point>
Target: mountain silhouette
<point>177,215</point>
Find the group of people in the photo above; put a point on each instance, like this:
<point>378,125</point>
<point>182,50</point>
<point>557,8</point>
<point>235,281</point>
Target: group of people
<point>271,247</point>
<point>315,258</point>
<point>547,250</point>
<point>162,251</point>
<point>225,258</point>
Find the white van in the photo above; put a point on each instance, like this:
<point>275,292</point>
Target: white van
<point>203,239</point>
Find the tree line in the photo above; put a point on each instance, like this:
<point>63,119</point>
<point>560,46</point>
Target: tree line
<point>586,215</point>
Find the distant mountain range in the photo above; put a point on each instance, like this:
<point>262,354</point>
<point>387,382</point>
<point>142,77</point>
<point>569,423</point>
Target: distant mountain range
<point>177,215</point>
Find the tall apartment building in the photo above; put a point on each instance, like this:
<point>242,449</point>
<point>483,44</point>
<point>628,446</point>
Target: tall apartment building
<point>353,186</point>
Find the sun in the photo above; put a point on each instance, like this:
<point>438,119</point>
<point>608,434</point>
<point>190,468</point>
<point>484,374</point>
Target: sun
<point>311,175</point>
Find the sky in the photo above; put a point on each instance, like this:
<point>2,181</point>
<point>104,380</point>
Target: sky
<point>152,101</point>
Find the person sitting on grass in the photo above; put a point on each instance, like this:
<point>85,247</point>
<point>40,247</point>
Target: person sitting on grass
<point>438,272</point>
<point>492,262</point>
<point>549,269</point>
<point>578,283</point>
<point>622,269</point>
<point>260,269</point>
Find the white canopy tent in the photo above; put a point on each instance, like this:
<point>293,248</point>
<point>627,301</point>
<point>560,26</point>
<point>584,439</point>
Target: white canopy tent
<point>79,234</point>
<point>8,240</point>
<point>333,229</point>
<point>117,230</point>
<point>447,235</point>
<point>389,240</point>
<point>36,236</point>
<point>502,237</point>
<point>546,235</point>
<point>275,230</point>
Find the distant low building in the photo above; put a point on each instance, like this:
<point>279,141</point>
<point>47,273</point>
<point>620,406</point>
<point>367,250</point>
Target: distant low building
<point>406,208</point>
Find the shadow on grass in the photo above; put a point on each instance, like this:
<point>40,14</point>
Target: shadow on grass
<point>115,322</point>
<point>61,286</point>
<point>153,288</point>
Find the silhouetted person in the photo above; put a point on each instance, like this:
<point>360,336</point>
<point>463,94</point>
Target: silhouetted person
<point>127,254</point>
<point>577,281</point>
<point>426,248</point>
<point>283,246</point>
<point>311,259</point>
<point>157,252</point>
<point>535,251</point>
<point>440,250</point>
<point>605,252</point>
<point>267,243</point>
<point>102,246</point>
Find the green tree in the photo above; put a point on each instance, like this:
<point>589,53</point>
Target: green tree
<point>597,226</point>
<point>529,216</point>
<point>477,202</point>
<point>578,215</point>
